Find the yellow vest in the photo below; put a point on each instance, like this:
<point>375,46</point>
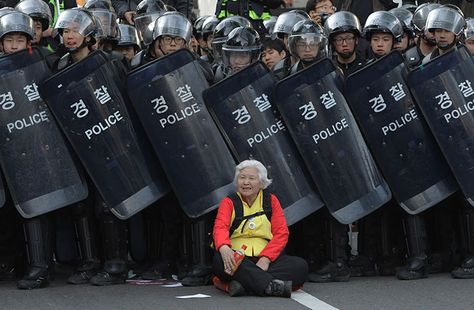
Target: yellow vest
<point>255,236</point>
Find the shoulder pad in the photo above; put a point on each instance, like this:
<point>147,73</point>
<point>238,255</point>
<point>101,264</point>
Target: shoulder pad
<point>412,56</point>
<point>63,61</point>
<point>137,59</point>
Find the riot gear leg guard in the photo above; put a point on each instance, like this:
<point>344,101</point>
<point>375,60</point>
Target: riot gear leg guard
<point>39,246</point>
<point>201,270</point>
<point>114,245</point>
<point>416,239</point>
<point>466,270</point>
<point>336,240</point>
<point>86,237</point>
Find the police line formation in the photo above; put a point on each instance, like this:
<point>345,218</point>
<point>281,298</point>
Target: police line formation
<point>125,120</point>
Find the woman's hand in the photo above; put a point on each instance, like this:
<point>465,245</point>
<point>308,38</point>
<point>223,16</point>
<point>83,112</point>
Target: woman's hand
<point>263,263</point>
<point>227,255</point>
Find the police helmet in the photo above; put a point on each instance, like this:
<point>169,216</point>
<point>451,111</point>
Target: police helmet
<point>173,24</point>
<point>269,24</point>
<point>17,22</point>
<point>128,35</point>
<point>208,26</point>
<point>243,42</point>
<point>99,5</point>
<point>446,18</point>
<point>406,18</point>
<point>150,6</point>
<point>469,31</point>
<point>221,32</point>
<point>244,22</point>
<point>286,21</point>
<point>309,33</point>
<point>78,20</point>
<point>107,22</point>
<point>342,21</point>
<point>384,22</point>
<point>421,14</point>
<point>36,9</point>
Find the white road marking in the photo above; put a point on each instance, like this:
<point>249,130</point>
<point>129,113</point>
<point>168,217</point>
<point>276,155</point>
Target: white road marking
<point>310,301</point>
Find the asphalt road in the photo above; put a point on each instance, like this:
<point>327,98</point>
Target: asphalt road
<point>437,292</point>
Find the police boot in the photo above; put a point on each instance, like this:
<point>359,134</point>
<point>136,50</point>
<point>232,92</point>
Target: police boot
<point>279,288</point>
<point>86,235</point>
<point>38,237</point>
<point>390,258</point>
<point>364,263</point>
<point>114,233</point>
<point>415,236</point>
<point>466,270</point>
<point>336,269</point>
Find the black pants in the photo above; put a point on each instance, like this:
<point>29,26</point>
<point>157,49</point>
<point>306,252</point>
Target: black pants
<point>254,279</point>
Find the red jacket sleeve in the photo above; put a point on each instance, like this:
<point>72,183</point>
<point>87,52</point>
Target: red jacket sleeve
<point>220,233</point>
<point>280,232</point>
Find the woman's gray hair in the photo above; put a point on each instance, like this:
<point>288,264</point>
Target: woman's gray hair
<point>262,171</point>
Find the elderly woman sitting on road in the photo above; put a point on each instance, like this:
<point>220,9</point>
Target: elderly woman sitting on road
<point>253,217</point>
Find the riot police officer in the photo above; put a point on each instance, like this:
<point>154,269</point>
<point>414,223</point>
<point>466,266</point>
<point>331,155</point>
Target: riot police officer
<point>446,23</point>
<point>469,35</point>
<point>405,18</point>
<point>78,41</point>
<point>308,43</point>
<point>344,31</point>
<point>424,41</point>
<point>128,43</point>
<point>282,30</point>
<point>242,48</point>
<point>383,30</point>
<point>16,34</point>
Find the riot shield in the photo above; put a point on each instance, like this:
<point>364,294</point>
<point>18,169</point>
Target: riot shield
<point>2,191</point>
<point>327,137</point>
<point>398,136</point>
<point>166,94</point>
<point>251,124</point>
<point>443,91</point>
<point>89,107</point>
<point>38,167</point>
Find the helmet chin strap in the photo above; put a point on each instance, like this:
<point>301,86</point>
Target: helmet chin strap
<point>76,49</point>
<point>447,47</point>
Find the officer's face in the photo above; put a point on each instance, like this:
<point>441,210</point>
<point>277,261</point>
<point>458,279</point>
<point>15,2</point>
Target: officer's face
<point>194,44</point>
<point>209,41</point>
<point>128,51</point>
<point>307,50</point>
<point>14,42</point>
<point>239,61</point>
<point>38,32</point>
<point>444,37</point>
<point>381,43</point>
<point>169,44</point>
<point>72,39</point>
<point>470,45</point>
<point>248,182</point>
<point>271,56</point>
<point>345,43</point>
<point>403,44</point>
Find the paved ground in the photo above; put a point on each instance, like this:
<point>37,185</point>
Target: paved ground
<point>437,292</point>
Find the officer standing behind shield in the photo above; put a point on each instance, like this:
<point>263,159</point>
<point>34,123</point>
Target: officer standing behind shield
<point>380,233</point>
<point>77,28</point>
<point>424,42</point>
<point>308,43</point>
<point>447,24</point>
<point>128,43</point>
<point>344,31</point>
<point>16,34</point>
<point>469,35</point>
<point>172,32</point>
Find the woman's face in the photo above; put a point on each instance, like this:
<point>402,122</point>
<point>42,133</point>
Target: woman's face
<point>248,182</point>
